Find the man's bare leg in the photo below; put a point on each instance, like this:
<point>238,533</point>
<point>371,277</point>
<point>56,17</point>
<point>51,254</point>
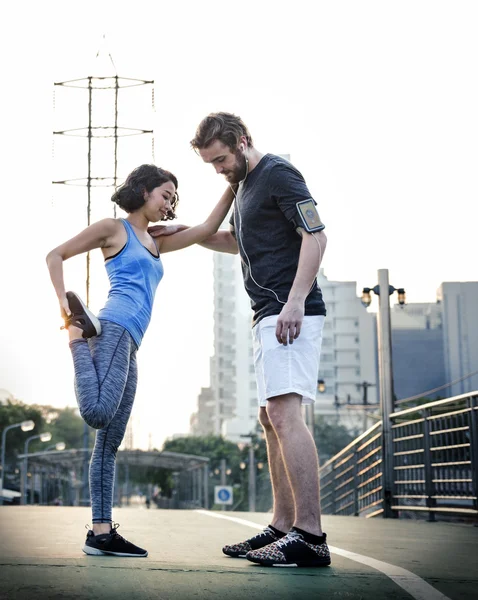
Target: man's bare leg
<point>300,459</point>
<point>283,507</point>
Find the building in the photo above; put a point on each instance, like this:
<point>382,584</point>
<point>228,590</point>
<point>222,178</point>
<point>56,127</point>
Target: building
<point>223,367</point>
<point>419,315</point>
<point>460,334</point>
<point>417,350</point>
<point>202,421</point>
<point>127,443</point>
<point>434,344</point>
<point>348,363</point>
<point>229,406</point>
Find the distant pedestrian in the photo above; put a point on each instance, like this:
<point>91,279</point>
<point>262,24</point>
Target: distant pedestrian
<point>104,348</point>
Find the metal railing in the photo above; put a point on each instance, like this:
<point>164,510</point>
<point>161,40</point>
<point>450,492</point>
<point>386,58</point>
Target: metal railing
<point>351,481</point>
<point>434,464</point>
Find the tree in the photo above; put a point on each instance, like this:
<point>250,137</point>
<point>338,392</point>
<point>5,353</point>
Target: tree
<point>15,411</point>
<point>64,424</point>
<point>216,448</point>
<point>330,438</point>
<point>159,476</point>
<point>213,447</point>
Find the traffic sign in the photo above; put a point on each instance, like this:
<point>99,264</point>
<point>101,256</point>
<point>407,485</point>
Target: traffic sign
<point>223,494</point>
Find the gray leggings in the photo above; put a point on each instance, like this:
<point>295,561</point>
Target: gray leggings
<point>106,375</point>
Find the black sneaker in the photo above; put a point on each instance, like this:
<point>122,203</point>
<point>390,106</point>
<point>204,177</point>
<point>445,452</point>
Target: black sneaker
<point>269,535</point>
<point>110,544</point>
<point>81,316</point>
<point>292,551</point>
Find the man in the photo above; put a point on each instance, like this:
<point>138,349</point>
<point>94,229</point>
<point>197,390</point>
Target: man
<point>278,234</point>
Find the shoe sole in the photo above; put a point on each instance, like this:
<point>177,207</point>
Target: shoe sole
<point>97,552</point>
<point>299,564</point>
<point>234,555</point>
<point>77,306</point>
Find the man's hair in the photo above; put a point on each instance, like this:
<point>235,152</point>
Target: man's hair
<point>222,126</point>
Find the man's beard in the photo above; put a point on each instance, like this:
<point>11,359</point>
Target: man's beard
<point>239,172</point>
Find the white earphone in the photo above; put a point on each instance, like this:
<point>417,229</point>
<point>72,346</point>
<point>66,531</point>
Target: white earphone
<point>239,238</point>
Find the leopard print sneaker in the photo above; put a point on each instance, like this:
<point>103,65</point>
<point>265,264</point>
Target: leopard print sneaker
<point>269,535</point>
<point>292,551</point>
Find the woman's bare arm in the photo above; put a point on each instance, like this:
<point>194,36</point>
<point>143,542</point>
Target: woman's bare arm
<point>95,236</point>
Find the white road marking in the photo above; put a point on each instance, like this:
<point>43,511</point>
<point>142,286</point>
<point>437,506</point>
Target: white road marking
<point>411,583</point>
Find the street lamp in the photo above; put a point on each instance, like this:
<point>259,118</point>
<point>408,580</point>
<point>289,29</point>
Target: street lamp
<point>384,290</point>
<point>26,426</point>
<point>366,298</point>
<point>57,446</point>
<point>43,437</point>
<point>321,387</point>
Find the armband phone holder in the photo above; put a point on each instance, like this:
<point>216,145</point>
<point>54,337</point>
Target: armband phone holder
<point>308,216</point>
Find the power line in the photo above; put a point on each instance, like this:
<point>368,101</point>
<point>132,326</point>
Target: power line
<point>441,387</point>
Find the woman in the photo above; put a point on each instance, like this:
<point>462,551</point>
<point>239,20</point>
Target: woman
<point>104,348</point>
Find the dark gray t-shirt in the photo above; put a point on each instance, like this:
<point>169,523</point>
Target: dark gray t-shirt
<point>269,245</point>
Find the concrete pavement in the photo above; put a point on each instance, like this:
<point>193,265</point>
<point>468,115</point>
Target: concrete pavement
<point>41,557</point>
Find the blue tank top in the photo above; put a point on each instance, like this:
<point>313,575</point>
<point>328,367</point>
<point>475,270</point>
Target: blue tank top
<point>134,275</point>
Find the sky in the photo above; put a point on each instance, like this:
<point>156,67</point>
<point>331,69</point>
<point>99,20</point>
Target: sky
<point>375,101</point>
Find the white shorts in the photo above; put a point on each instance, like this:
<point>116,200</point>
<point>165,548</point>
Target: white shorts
<point>287,369</point>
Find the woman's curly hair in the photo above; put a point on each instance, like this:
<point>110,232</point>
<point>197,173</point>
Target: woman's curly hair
<point>130,195</point>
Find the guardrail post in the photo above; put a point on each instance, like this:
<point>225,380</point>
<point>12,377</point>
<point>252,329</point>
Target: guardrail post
<point>474,448</point>
<point>334,511</point>
<point>206,486</point>
<point>356,484</point>
<point>428,464</point>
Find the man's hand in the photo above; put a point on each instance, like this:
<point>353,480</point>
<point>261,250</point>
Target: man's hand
<point>159,230</point>
<point>290,322</point>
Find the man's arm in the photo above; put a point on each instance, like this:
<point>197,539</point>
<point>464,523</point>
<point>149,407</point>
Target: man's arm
<point>290,319</point>
<point>222,241</point>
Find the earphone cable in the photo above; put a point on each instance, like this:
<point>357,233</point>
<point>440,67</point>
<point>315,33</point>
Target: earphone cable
<point>239,237</point>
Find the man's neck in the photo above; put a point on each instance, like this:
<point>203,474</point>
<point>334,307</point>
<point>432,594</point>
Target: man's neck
<point>254,156</point>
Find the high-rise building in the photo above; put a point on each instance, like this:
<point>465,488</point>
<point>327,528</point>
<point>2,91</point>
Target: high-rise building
<point>223,367</point>
<point>460,334</point>
<point>229,406</point>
